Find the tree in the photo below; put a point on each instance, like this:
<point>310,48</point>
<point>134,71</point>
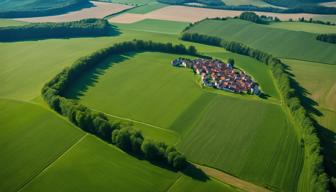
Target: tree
<point>150,149</point>
<point>231,62</point>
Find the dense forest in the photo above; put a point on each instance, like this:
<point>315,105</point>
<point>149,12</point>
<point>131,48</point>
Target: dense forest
<point>316,179</point>
<point>82,28</point>
<point>126,138</point>
<point>329,38</point>
<point>35,8</point>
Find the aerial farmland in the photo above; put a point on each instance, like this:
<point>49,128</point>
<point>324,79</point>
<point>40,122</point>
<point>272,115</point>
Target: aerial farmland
<point>162,95</point>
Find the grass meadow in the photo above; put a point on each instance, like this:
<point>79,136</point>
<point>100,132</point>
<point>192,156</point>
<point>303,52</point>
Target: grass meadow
<point>31,138</point>
<point>147,8</point>
<point>156,26</point>
<point>145,87</point>
<point>279,42</point>
<point>305,27</point>
<point>245,136</point>
<point>34,147</point>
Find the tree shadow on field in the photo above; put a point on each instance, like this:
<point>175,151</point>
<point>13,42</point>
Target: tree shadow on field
<point>326,136</point>
<point>89,78</point>
<point>190,170</point>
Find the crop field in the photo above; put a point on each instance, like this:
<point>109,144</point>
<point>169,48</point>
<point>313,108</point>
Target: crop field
<point>155,26</point>
<point>147,8</point>
<point>319,80</point>
<point>258,3</point>
<point>131,2</point>
<point>29,143</point>
<point>31,5</point>
<point>306,27</point>
<point>99,10</point>
<point>193,14</point>
<point>194,115</point>
<point>7,22</point>
<point>247,137</point>
<point>298,45</point>
<point>33,161</point>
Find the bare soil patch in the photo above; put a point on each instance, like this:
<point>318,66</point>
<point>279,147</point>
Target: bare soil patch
<point>193,14</point>
<point>99,10</point>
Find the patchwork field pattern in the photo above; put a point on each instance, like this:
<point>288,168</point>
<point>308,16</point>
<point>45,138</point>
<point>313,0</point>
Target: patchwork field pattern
<point>158,97</point>
<point>193,14</point>
<point>281,43</point>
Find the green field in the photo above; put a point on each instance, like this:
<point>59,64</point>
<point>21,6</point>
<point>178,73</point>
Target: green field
<point>30,143</point>
<point>147,8</point>
<point>279,42</point>
<point>131,2</point>
<point>156,26</point>
<point>34,5</point>
<point>306,27</point>
<point>155,93</point>
<point>318,79</point>
<point>258,3</point>
<point>216,128</point>
<point>31,137</point>
<point>7,22</point>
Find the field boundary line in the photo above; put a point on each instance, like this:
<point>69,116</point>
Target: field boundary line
<point>135,121</point>
<point>52,162</point>
<point>172,185</point>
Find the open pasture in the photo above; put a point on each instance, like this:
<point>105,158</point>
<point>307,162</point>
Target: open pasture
<point>306,27</point>
<point>258,3</point>
<point>99,10</point>
<point>193,14</point>
<point>31,138</point>
<point>158,94</point>
<point>155,26</point>
<point>279,42</point>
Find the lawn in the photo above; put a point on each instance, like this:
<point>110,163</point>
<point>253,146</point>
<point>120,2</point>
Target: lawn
<point>31,137</point>
<point>279,42</point>
<point>306,27</point>
<point>156,93</point>
<point>157,26</point>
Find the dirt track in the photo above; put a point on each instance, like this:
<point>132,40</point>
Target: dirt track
<point>193,14</point>
<point>99,10</point>
<point>231,180</point>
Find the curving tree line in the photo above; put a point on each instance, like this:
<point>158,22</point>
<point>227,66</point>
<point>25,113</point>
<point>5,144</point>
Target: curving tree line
<point>329,38</point>
<point>82,28</point>
<point>126,138</point>
<point>315,178</point>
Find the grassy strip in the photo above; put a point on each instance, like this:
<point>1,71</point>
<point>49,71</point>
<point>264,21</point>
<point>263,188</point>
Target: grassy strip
<point>313,177</point>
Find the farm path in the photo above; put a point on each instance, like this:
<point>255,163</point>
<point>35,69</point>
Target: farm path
<point>231,180</point>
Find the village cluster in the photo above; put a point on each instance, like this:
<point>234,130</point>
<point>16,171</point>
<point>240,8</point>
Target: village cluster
<point>215,73</point>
